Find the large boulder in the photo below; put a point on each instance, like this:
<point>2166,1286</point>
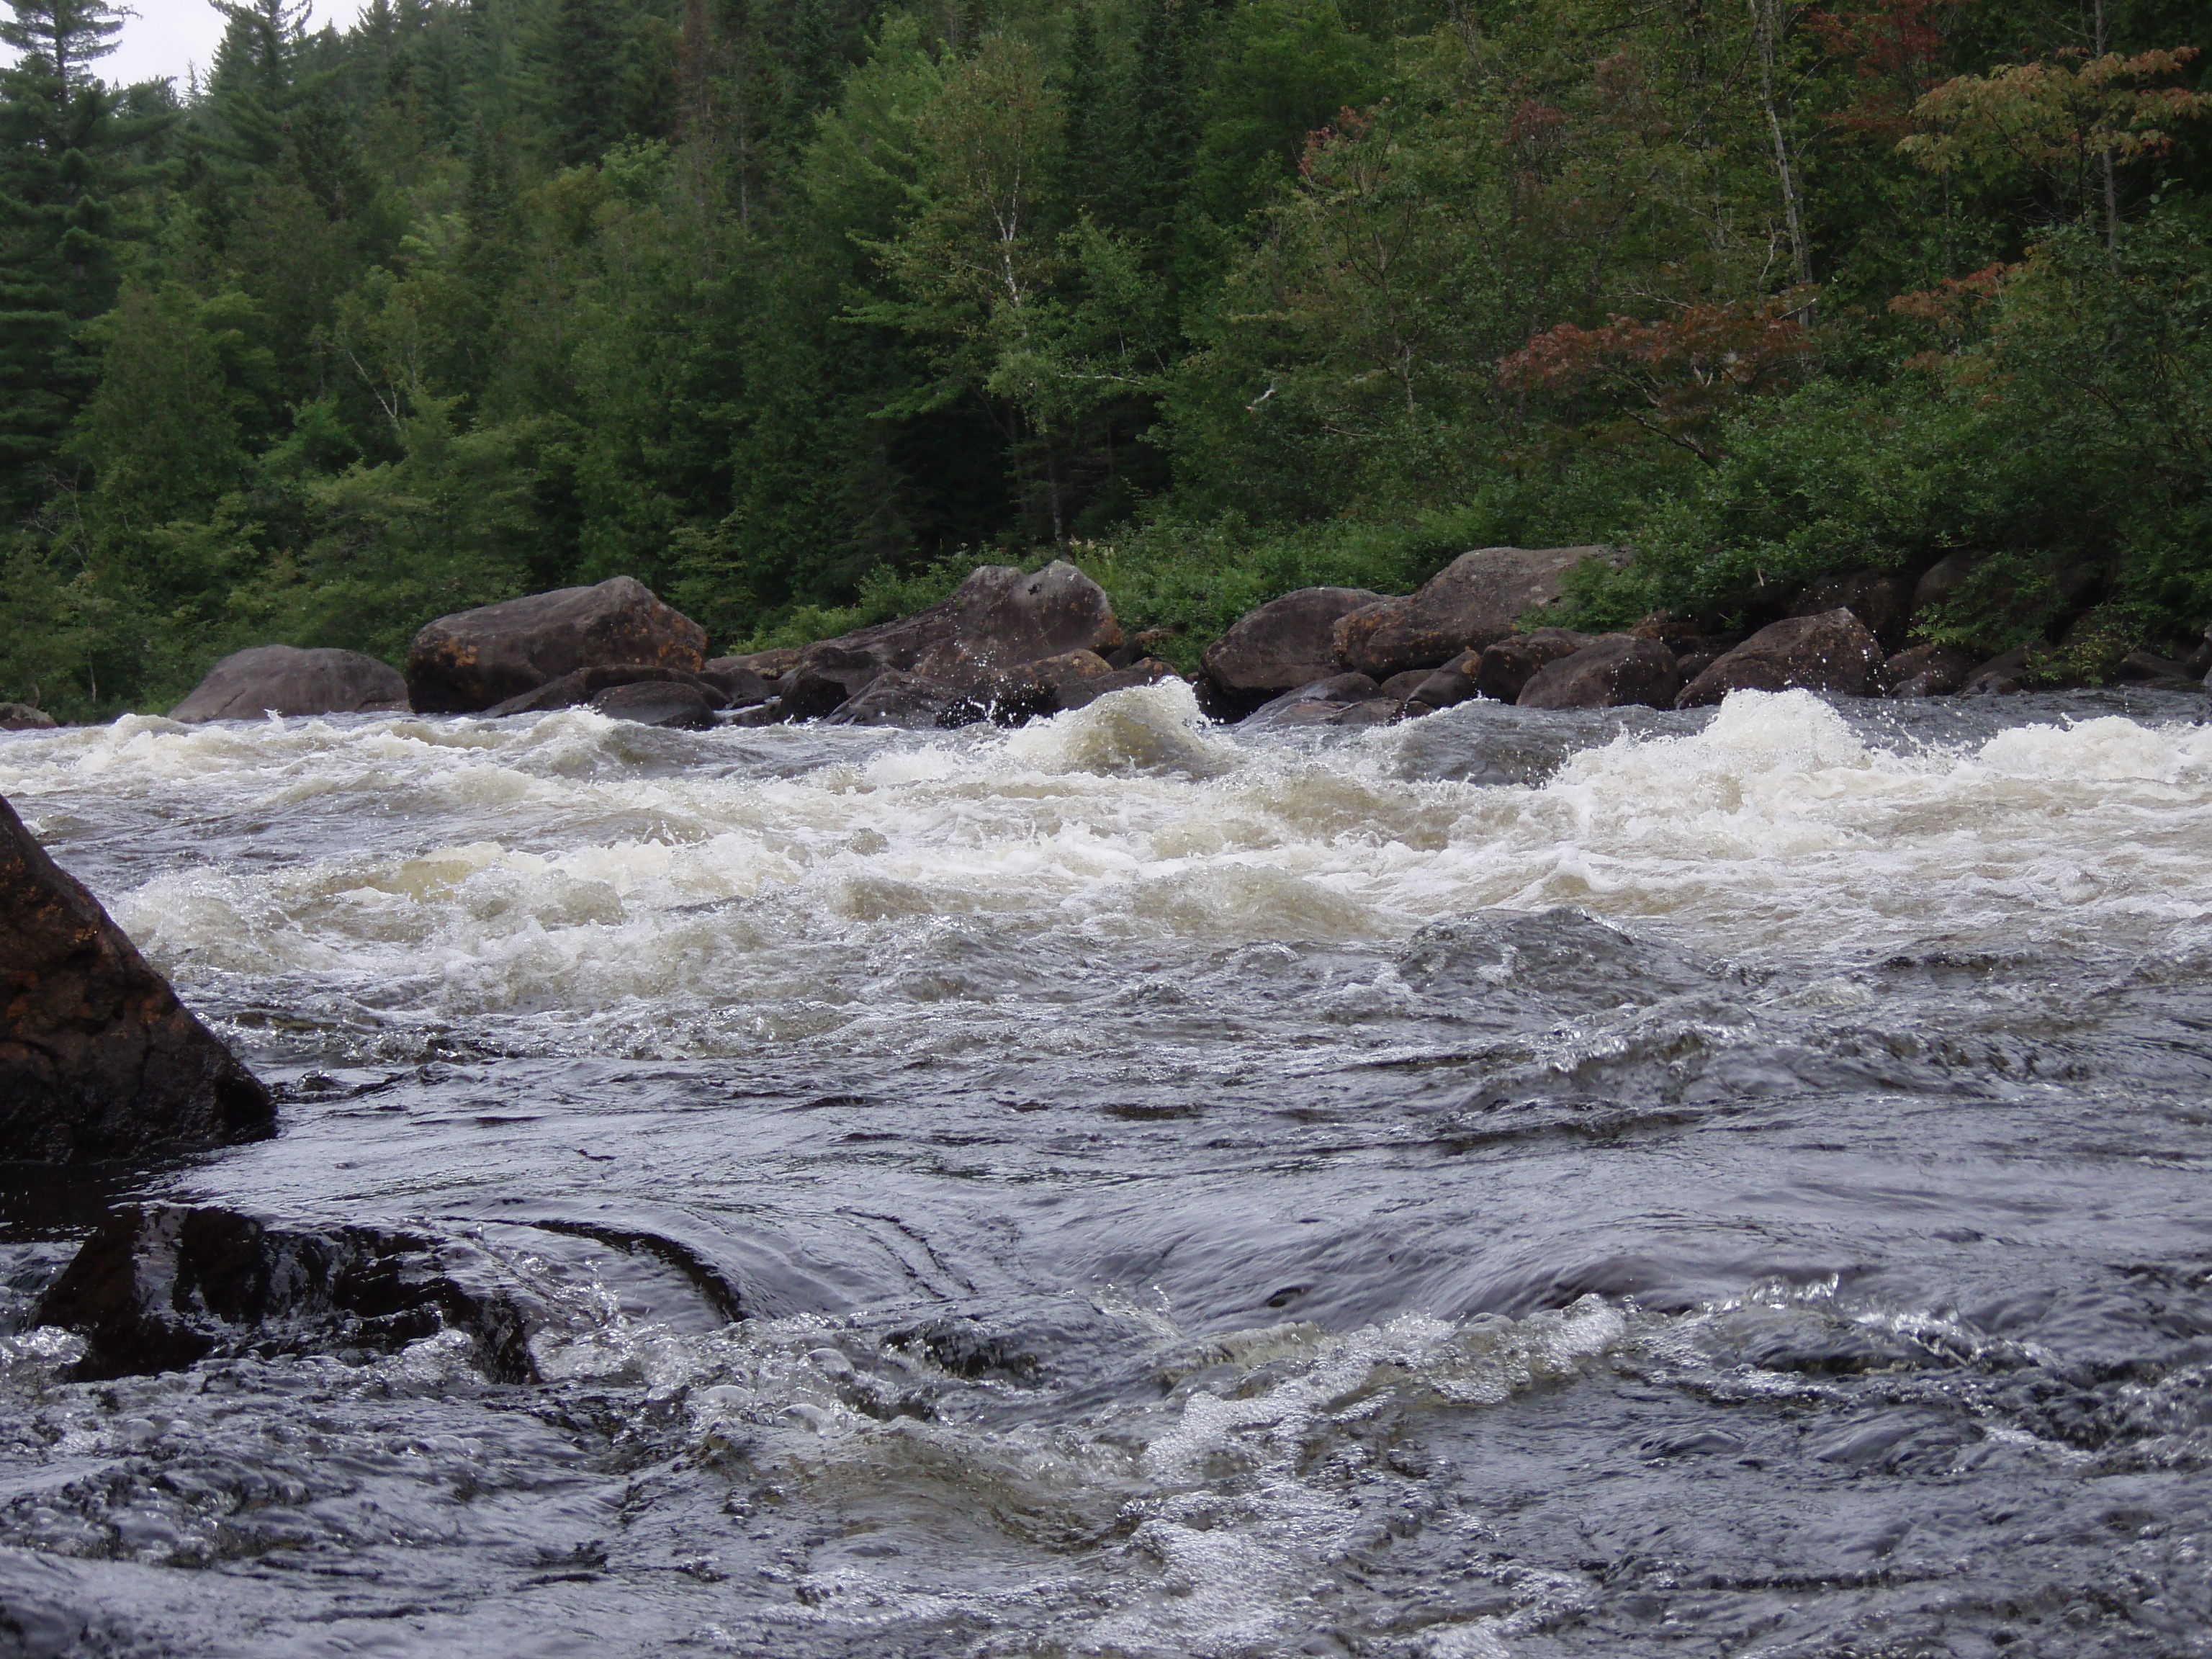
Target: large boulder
<point>1503,670</point>
<point>1610,671</point>
<point>1834,652</point>
<point>21,717</point>
<point>282,679</point>
<point>1944,578</point>
<point>829,677</point>
<point>1882,601</point>
<point>2002,675</point>
<point>996,620</point>
<point>1478,598</point>
<point>1928,670</point>
<point>463,664</point>
<point>1286,644</point>
<point>98,1058</point>
<point>1446,687</point>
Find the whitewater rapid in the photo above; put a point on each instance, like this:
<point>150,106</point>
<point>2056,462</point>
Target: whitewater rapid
<point>1511,1184</point>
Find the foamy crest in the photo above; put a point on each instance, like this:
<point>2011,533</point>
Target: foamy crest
<point>676,892</point>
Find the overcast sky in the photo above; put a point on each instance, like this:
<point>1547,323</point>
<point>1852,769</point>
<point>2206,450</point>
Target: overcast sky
<point>168,37</point>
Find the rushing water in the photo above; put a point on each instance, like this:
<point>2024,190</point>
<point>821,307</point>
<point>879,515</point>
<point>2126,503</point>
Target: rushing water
<point>1512,1185</point>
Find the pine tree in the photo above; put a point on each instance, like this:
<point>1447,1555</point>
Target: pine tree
<point>62,162</point>
<point>1161,126</point>
<point>579,70</point>
<point>251,87</point>
<point>1086,141</point>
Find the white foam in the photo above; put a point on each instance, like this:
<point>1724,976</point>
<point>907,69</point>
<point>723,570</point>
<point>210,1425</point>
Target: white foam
<point>522,869</point>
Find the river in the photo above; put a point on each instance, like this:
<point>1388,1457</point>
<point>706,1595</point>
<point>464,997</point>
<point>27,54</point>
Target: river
<point>1512,1186</point>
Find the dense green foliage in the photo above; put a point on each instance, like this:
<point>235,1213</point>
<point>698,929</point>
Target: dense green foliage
<point>795,308</point>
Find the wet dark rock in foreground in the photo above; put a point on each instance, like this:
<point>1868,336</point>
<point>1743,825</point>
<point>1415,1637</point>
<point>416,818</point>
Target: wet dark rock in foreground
<point>98,1058</point>
<point>164,1287</point>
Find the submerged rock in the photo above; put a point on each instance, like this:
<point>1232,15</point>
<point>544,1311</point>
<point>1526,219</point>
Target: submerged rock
<point>660,702</point>
<point>1477,600</point>
<point>98,1058</point>
<point>1286,643</point>
<point>164,1287</point>
<point>1312,704</point>
<point>1047,686</point>
<point>466,663</point>
<point>585,686</point>
<point>1832,651</point>
<point>1146,671</point>
<point>282,679</point>
<point>913,701</point>
<point>1606,673</point>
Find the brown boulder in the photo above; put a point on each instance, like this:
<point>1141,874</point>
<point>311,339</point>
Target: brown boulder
<point>1478,598</point>
<point>1928,670</point>
<point>2001,676</point>
<point>21,717</point>
<point>826,681</point>
<point>98,1058</point>
<point>462,663</point>
<point>998,619</point>
<point>1443,688</point>
<point>1881,601</point>
<point>1506,667</point>
<point>1286,644</point>
<point>1834,652</point>
<point>282,679</point>
<point>1944,578</point>
<point>768,664</point>
<point>1610,671</point>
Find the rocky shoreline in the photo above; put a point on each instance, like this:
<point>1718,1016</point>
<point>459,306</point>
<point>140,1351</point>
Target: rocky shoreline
<point>1010,646</point>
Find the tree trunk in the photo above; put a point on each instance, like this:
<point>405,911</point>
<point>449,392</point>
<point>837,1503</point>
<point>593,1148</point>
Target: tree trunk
<point>1764,32</point>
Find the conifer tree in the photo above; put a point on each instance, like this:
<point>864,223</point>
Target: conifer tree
<point>1160,125</point>
<point>62,162</point>
<point>578,68</point>
<point>1086,141</point>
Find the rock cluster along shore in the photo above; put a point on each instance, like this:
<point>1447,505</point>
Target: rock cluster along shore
<point>1010,646</point>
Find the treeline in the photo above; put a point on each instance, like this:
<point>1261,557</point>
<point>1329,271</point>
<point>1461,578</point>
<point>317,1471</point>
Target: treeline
<point>788,307</point>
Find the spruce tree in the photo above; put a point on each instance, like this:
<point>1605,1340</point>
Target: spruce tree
<point>1162,129</point>
<point>1086,151</point>
<point>578,73</point>
<point>62,162</point>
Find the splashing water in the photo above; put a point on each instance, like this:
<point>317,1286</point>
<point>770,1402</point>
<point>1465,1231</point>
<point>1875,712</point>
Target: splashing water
<point>1511,1184</point>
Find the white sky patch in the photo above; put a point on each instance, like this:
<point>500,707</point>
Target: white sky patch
<point>171,37</point>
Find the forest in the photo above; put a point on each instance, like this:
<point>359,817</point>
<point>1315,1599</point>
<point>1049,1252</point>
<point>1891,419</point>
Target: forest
<point>796,310</point>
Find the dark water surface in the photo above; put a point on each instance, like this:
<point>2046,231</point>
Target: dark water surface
<point>1513,1185</point>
